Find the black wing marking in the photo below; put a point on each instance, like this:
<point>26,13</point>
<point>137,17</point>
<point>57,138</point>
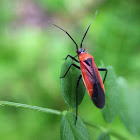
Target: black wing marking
<point>98,95</point>
<point>89,62</point>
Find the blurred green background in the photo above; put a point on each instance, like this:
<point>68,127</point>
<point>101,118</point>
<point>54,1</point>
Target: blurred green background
<point>31,53</point>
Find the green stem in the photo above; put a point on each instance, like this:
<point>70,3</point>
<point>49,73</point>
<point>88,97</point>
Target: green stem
<point>95,126</point>
<point>56,112</point>
<point>41,109</point>
<point>119,136</point>
<point>106,130</point>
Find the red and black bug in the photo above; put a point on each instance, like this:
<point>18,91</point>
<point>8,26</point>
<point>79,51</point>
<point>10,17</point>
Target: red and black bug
<point>89,73</point>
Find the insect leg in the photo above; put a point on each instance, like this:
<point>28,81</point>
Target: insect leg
<point>69,69</point>
<point>77,97</point>
<point>103,69</point>
<point>75,55</point>
<point>72,58</point>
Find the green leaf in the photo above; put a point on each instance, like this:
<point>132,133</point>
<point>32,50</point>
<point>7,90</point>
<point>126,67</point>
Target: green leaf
<point>111,95</point>
<point>70,131</point>
<point>104,136</point>
<point>68,84</point>
<point>129,107</point>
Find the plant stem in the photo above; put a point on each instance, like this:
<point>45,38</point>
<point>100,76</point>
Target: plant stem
<point>106,130</point>
<point>41,109</point>
<point>56,112</point>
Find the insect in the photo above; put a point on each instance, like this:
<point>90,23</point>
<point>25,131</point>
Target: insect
<point>89,73</point>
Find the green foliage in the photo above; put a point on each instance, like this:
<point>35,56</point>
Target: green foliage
<point>70,131</point>
<point>68,84</point>
<point>111,95</point>
<point>116,94</point>
<point>129,102</point>
<point>31,53</point>
<point>104,136</point>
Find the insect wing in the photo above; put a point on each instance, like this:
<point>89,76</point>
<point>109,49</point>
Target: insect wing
<point>93,82</point>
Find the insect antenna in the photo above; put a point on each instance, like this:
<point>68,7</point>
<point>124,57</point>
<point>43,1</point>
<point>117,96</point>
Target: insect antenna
<point>66,33</point>
<point>88,29</point>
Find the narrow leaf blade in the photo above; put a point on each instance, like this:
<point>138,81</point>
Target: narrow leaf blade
<point>128,104</point>
<point>70,131</point>
<point>111,90</point>
<point>68,84</point>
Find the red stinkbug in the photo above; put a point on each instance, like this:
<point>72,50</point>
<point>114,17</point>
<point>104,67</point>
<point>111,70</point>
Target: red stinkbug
<point>89,73</point>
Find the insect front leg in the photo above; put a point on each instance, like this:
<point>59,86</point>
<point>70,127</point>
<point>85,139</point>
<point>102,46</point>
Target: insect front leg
<point>73,58</point>
<point>69,69</point>
<point>77,97</point>
<point>103,69</point>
